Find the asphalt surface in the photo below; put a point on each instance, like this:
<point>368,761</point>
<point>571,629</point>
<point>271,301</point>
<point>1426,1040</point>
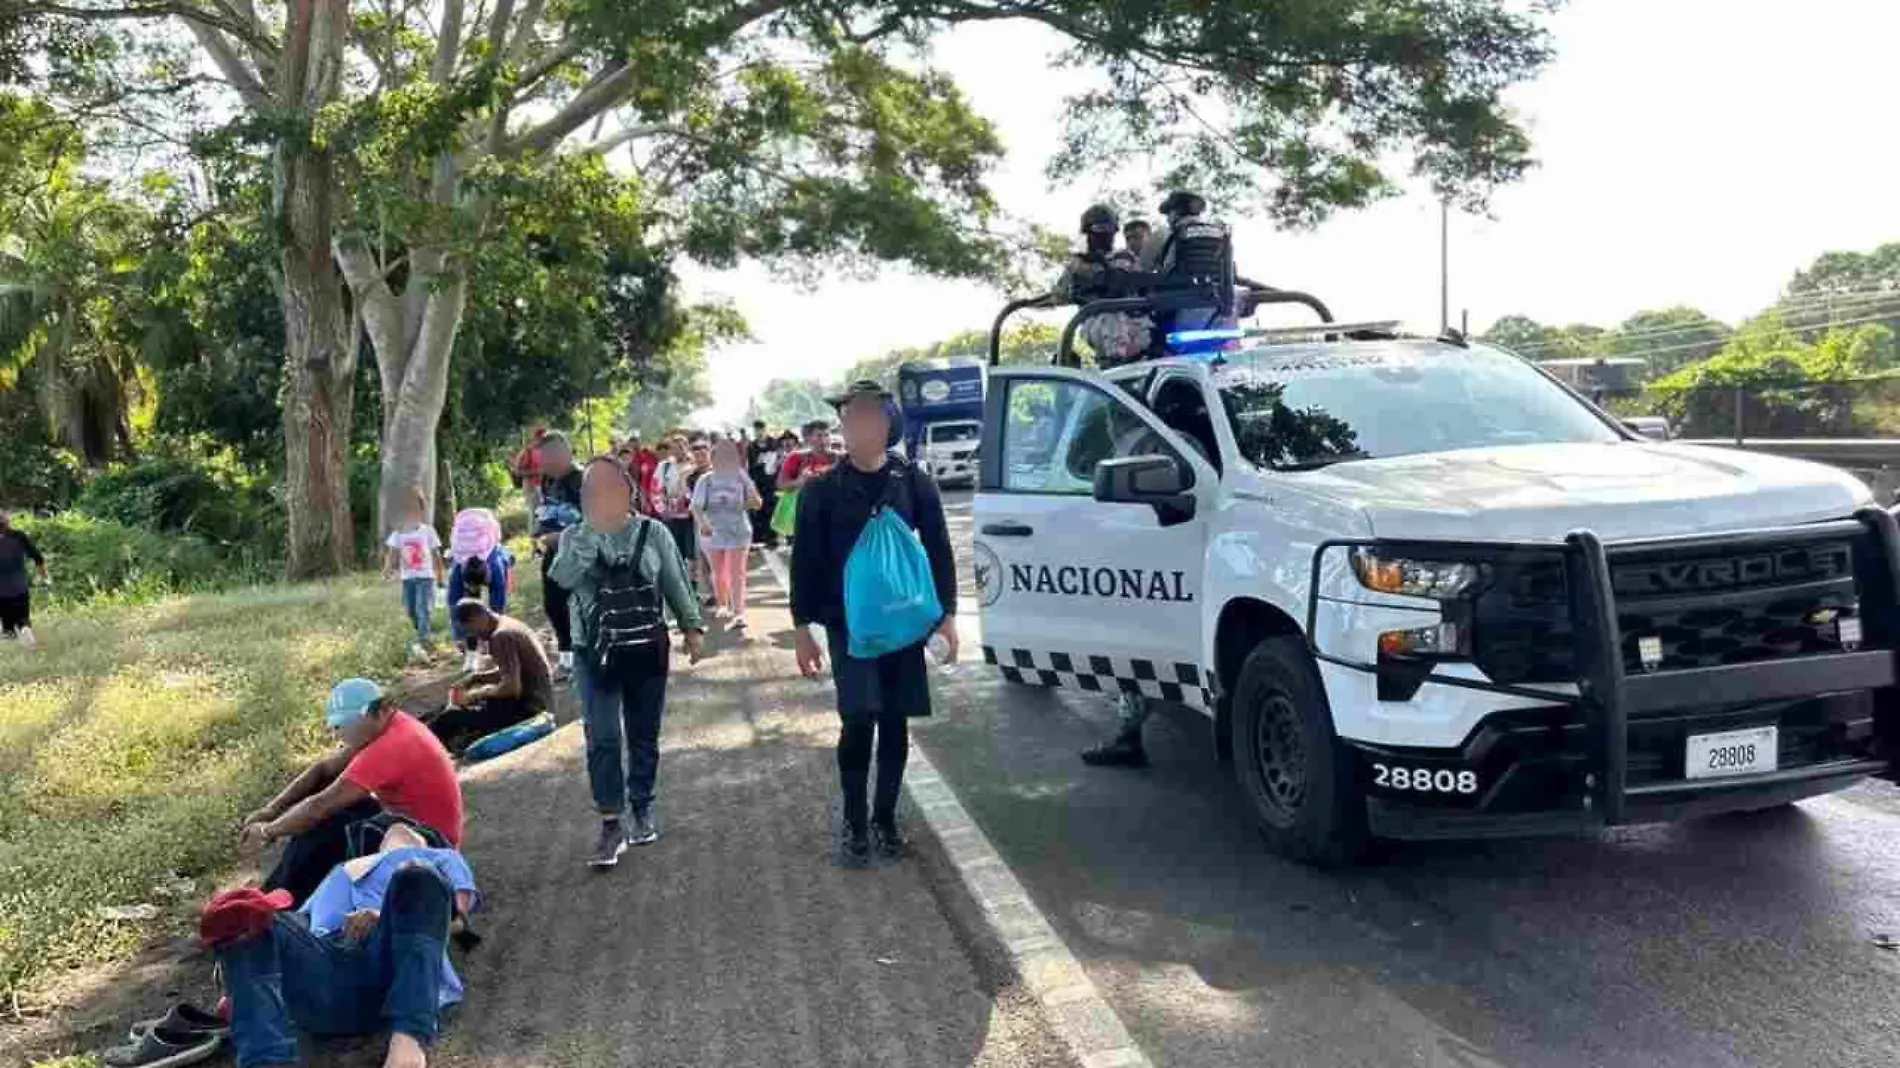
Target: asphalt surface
<point>1749,940</point>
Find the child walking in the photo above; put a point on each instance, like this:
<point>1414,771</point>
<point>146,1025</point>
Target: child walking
<point>412,553</point>
<point>722,502</point>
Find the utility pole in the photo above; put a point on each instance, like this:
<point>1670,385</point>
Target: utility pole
<point>1444,265</point>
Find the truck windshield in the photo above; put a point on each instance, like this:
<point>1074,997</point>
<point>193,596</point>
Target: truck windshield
<point>951,432</point>
<point>1303,408</point>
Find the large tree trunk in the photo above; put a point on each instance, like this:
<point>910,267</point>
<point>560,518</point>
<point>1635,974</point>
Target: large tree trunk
<point>319,406</point>
<point>413,334</point>
<point>319,352</point>
<point>414,412</point>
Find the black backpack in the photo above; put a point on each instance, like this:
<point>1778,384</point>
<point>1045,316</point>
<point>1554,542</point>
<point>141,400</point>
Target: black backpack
<point>627,622</point>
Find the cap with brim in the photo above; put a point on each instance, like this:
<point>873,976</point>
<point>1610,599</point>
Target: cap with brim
<point>350,701</point>
<point>863,387</point>
<point>236,914</point>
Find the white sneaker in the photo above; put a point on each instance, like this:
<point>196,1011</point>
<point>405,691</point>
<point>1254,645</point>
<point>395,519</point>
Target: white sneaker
<point>417,652</point>
<point>27,640</point>
<point>471,661</point>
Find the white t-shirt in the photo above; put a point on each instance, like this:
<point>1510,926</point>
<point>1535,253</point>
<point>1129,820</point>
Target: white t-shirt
<point>415,550</point>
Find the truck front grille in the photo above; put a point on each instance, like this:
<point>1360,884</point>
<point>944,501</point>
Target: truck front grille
<point>1705,610</point>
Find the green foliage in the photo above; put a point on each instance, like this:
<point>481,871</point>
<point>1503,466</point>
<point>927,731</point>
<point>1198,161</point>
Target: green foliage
<point>68,252</point>
<point>97,561</point>
<point>1789,387</point>
<point>1668,338</point>
<point>1320,95</point>
<point>790,403</point>
<point>211,329</point>
<point>175,494</point>
<point>35,474</point>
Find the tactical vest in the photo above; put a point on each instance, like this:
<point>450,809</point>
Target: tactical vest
<point>1199,250</point>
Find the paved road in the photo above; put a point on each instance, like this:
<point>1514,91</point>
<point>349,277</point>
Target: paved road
<point>1737,941</point>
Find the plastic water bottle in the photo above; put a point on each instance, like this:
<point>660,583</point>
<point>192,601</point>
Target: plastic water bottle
<point>939,649</point>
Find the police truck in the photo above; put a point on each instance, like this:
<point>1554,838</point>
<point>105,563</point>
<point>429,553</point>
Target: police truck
<point>1422,589</point>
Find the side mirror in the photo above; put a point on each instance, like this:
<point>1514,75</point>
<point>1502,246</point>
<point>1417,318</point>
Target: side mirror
<point>1162,482</point>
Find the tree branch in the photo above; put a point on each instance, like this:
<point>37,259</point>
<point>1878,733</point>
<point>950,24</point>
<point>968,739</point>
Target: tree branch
<point>448,49</point>
<point>606,92</point>
<point>524,35</point>
<point>169,9</point>
<point>248,85</point>
<point>559,56</point>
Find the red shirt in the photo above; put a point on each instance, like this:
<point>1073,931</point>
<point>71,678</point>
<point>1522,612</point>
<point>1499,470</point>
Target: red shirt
<point>818,462</point>
<point>528,465</point>
<point>646,472</point>
<point>412,775</point>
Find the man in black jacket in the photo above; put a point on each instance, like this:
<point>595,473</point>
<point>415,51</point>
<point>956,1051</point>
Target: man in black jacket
<point>876,697</point>
<point>560,508</point>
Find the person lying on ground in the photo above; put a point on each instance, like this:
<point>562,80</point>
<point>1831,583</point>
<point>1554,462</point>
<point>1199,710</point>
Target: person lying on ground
<point>367,952</point>
<point>388,768</point>
<point>518,687</point>
<point>16,592</point>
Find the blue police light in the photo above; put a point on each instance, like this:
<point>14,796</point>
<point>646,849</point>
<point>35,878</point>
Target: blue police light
<point>1203,342</point>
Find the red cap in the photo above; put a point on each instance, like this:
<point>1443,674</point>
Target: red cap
<point>236,914</point>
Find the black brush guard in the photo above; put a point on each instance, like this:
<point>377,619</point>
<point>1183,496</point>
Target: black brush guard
<point>1609,696</point>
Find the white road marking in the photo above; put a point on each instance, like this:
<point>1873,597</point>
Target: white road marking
<point>1070,1001</point>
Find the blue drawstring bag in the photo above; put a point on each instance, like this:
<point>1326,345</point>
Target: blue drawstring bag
<point>509,739</point>
<point>890,596</point>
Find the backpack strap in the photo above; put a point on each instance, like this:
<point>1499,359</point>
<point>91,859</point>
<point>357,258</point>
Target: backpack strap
<point>640,544</point>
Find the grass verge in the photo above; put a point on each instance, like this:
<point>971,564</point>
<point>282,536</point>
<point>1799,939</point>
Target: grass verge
<point>135,738</point>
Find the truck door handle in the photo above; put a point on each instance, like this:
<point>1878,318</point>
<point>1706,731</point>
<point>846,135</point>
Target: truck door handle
<point>1008,530</point>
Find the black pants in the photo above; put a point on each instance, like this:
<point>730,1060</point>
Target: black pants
<point>876,699</point>
<point>16,613</point>
<point>889,736</point>
<point>685,538</point>
<point>762,531</point>
<point>458,728</point>
<point>555,597</point>
<point>351,832</point>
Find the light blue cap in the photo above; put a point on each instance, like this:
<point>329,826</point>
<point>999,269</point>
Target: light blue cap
<point>350,701</point>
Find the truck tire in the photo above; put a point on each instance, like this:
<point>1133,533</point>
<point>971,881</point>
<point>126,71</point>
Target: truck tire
<point>1297,777</point>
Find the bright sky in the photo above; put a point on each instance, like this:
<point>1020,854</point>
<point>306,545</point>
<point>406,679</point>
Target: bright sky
<point>1693,152</point>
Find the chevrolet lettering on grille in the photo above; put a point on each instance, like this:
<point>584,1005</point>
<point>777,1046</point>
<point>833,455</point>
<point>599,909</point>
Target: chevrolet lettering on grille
<point>1782,568</point>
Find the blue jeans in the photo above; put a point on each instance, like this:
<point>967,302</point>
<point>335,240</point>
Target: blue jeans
<point>418,599</point>
<point>326,986</point>
<point>620,716</point>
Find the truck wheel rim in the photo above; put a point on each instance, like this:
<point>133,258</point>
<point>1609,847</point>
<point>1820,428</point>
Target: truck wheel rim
<point>1280,754</point>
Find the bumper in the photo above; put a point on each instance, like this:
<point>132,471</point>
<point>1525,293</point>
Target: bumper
<point>1534,775</point>
<point>1613,751</point>
<point>953,470</point>
<point>1406,824</point>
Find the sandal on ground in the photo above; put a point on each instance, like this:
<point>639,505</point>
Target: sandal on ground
<point>183,1019</point>
<point>163,1049</point>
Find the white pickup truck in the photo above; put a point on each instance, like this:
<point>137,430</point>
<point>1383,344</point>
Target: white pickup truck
<point>1425,591</point>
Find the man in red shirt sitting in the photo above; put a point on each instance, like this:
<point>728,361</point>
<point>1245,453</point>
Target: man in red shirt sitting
<point>390,768</point>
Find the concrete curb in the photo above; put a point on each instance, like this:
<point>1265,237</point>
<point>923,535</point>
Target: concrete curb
<point>1070,1001</point>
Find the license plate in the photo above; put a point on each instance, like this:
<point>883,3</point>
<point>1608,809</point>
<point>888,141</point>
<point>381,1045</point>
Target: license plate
<point>1714,756</point>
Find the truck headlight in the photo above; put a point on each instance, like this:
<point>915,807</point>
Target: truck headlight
<point>1438,579</point>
